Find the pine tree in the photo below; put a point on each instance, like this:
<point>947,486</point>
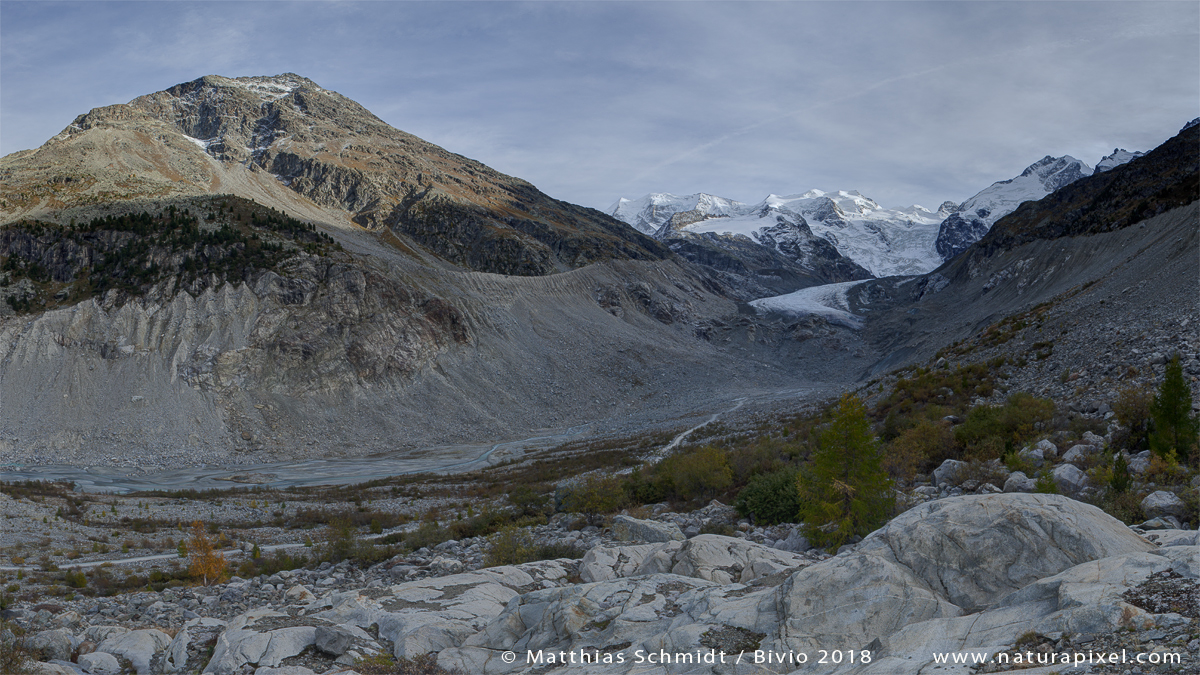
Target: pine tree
<point>844,491</point>
<point>1175,427</point>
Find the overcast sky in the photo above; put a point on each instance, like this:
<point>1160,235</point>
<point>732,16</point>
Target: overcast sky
<point>591,101</point>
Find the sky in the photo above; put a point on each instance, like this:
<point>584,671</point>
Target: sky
<point>906,102</point>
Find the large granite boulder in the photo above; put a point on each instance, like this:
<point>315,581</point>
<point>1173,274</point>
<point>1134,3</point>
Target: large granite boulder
<point>976,549</point>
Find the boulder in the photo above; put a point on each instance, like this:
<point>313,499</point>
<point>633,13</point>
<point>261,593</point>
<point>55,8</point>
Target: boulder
<point>852,600</point>
<point>298,594</point>
<point>1069,478</point>
<point>198,631</point>
<point>139,646</point>
<point>1048,448</point>
<point>637,610</point>
<point>1032,455</point>
<point>333,640</point>
<point>1078,454</point>
<point>429,615</point>
<point>1163,503</point>
<point>1161,523</point>
<point>625,528</point>
<point>975,549</point>
<point>1140,462</point>
<point>99,663</point>
<point>1019,482</point>
<point>711,557</point>
<point>949,473</point>
<point>51,645</point>
<point>795,542</point>
<point>613,562</point>
<point>242,643</point>
<point>726,559</point>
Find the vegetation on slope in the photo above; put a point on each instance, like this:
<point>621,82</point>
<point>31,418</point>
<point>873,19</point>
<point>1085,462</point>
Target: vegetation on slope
<point>43,265</point>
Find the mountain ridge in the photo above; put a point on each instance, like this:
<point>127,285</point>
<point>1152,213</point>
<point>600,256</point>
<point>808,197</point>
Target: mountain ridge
<point>314,145</point>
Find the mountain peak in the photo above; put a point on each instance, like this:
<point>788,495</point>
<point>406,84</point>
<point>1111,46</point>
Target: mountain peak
<point>970,221</point>
<point>286,141</point>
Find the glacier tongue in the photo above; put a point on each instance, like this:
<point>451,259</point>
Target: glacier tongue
<point>830,302</point>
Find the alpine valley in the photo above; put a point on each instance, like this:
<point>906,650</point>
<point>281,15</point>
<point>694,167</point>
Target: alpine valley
<point>287,391</point>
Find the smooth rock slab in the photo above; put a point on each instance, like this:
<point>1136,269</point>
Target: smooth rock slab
<point>726,559</point>
<point>139,646</point>
<point>850,600</point>
<point>241,644</point>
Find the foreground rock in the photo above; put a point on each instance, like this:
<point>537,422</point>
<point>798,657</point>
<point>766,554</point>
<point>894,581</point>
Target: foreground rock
<point>965,574</point>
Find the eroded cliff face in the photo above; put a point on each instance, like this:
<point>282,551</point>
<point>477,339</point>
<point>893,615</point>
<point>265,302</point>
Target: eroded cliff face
<point>191,369</point>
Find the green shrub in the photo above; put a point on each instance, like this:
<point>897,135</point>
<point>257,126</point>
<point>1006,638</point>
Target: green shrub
<point>1132,409</point>
<point>1012,423</point>
<point>76,579</point>
<point>1045,484</point>
<point>923,443</point>
<point>701,473</point>
<point>770,498</point>
<point>529,501</point>
<point>513,546</point>
<point>594,495</point>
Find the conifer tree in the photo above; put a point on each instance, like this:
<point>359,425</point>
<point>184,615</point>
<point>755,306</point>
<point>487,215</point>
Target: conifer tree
<point>844,491</point>
<point>205,564</point>
<point>1175,426</point>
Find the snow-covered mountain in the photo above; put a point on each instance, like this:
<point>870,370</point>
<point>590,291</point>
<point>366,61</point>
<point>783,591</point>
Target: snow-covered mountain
<point>1117,158</point>
<point>884,241</point>
<point>974,217</point>
<point>651,212</point>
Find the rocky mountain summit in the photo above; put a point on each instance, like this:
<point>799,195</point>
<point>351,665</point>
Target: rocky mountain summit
<point>284,139</point>
<point>974,217</point>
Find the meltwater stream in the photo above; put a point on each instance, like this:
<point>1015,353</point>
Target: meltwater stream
<point>339,471</point>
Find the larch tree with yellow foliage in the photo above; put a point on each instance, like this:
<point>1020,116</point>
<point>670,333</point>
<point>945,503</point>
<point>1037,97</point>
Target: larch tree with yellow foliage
<point>204,562</point>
